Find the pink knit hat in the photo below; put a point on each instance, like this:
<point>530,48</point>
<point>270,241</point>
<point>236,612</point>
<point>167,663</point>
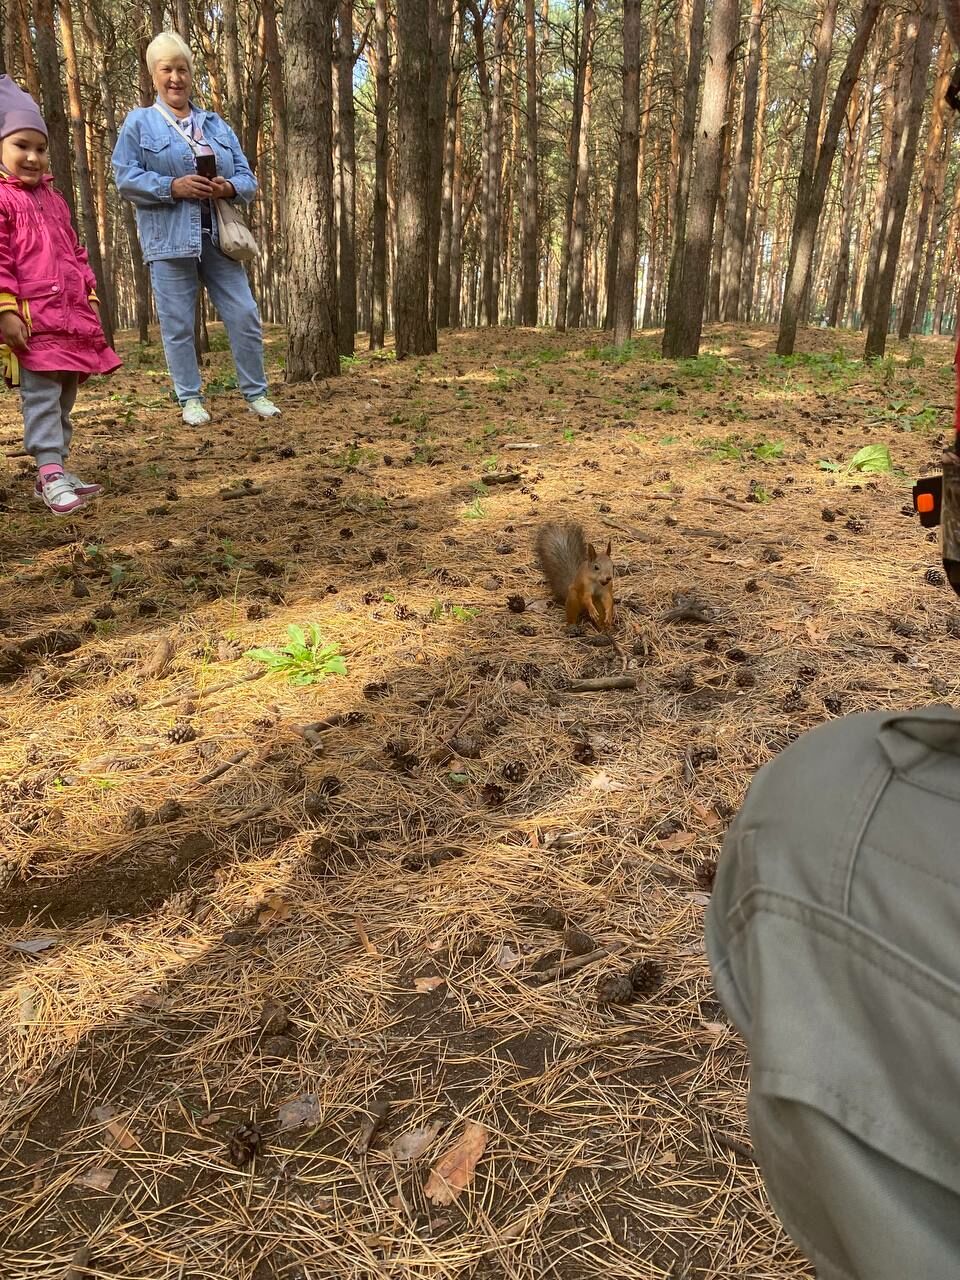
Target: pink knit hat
<point>18,110</point>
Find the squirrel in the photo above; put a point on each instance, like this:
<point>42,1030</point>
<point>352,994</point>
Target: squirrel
<point>580,579</point>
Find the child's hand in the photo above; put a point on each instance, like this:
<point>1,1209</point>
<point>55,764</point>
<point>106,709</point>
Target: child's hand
<point>13,331</point>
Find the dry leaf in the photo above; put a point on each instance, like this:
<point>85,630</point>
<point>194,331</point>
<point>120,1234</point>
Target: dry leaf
<point>412,1145</point>
<point>817,634</point>
<point>118,1131</point>
<point>455,1169</point>
<point>33,946</point>
<point>603,782</point>
<point>507,958</point>
<point>210,1118</point>
<point>97,1179</point>
<point>668,1157</point>
<point>707,815</point>
<point>698,899</point>
<point>715,1029</point>
<point>679,840</point>
<point>274,910</point>
<point>299,1111</point>
<point>423,985</point>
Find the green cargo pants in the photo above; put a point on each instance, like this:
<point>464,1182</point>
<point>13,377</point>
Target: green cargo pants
<point>834,939</point>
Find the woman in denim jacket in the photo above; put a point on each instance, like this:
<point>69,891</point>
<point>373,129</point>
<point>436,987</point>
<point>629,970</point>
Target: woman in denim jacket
<point>159,161</point>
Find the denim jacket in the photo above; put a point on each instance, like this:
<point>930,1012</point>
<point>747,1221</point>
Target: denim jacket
<point>150,153</point>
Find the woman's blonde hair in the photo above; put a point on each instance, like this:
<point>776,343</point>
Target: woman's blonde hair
<point>167,45</point>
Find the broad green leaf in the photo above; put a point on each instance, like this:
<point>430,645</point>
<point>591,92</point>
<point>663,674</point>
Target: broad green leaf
<point>296,634</point>
<point>872,458</point>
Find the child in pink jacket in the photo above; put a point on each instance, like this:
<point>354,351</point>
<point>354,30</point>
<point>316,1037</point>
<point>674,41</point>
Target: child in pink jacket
<point>50,328</point>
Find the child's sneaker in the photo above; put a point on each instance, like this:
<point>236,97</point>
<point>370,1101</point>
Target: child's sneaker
<point>194,414</point>
<point>264,407</point>
<point>79,487</point>
<point>60,496</point>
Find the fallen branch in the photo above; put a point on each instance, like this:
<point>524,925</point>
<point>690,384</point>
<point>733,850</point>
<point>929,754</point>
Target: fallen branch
<point>637,534</point>
<point>733,1144</point>
<point>712,499</point>
<point>501,477</point>
<point>522,444</point>
<point>221,769</point>
<point>444,752</point>
<point>174,698</point>
<point>601,684</point>
<point>573,964</point>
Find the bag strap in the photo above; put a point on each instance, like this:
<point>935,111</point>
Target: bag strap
<point>188,139</point>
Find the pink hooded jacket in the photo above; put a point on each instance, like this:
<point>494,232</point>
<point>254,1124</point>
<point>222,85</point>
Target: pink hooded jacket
<point>45,277</point>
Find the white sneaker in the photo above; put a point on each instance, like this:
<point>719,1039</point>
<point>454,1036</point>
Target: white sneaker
<point>194,414</point>
<point>264,407</point>
<point>60,497</point>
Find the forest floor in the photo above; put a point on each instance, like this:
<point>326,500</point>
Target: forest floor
<point>336,959</point>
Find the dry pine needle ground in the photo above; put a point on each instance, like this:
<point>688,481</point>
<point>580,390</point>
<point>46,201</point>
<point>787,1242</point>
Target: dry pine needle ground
<point>281,973</point>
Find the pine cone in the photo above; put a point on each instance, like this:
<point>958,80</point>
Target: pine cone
<point>402,613</point>
<point>856,525</point>
<point>744,679</point>
<point>376,689</point>
<point>493,794</point>
<point>828,516</point>
<point>645,977</point>
<point>706,873</point>
<point>245,1144</point>
<point>615,988</point>
<point>794,701</point>
<point>515,771</point>
<point>833,704</point>
<point>935,578</point>
<point>583,753</point>
<point>353,717</point>
<point>553,917</point>
<point>170,811</point>
<point>135,820</point>
<point>807,675</point>
<point>577,942</point>
<point>516,604</point>
<point>181,733</point>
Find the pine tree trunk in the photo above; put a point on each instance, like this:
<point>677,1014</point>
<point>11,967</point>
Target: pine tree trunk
<point>812,183</point>
<point>27,56</point>
<point>348,182</point>
<point>181,12</point>
<point>920,22</point>
<point>656,260</point>
<point>378,266</point>
<point>91,235</point>
<point>675,301</point>
<point>578,232</point>
<point>233,104</point>
<point>530,241</point>
<point>704,188</point>
<point>949,258</point>
<point>856,114</point>
<point>884,161</point>
<point>456,226</point>
<point>48,65</point>
<point>415,326</point>
<point>756,211</point>
<point>312,310</point>
<point>923,297</point>
<point>491,244</point>
<point>613,250</point>
<point>441,21</point>
<point>931,166</point>
<point>573,153</point>
<point>278,100</point>
<point>626,278</point>
<point>720,218</point>
<point>446,198</point>
<point>651,72</point>
<point>740,177</point>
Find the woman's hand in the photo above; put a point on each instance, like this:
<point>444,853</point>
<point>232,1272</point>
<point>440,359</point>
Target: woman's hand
<point>192,187</point>
<point>223,189</point>
<point>13,331</point>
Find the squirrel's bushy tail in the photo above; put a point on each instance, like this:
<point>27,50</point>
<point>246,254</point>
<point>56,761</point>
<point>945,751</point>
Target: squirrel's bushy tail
<point>561,550</point>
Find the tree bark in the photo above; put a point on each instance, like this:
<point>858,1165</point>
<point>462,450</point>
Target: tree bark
<point>456,226</point>
<point>626,278</point>
<point>348,182</point>
<point>578,232</point>
<point>91,234</point>
<point>858,115</point>
<point>278,99</point>
<point>378,265</point>
<point>756,210</point>
<point>931,167</point>
<point>913,84</point>
<point>28,57</point>
<point>812,184</point>
<point>48,65</point>
<point>923,296</point>
<point>884,161</point>
<point>740,178</point>
<point>416,331</point>
<point>684,339</point>
<point>491,243</point>
<point>231,57</point>
<point>949,258</point>
<point>447,192</point>
<point>312,311</point>
<point>181,12</point>
<point>671,328</point>
<point>573,153</point>
<point>530,245</point>
<point>720,217</point>
<point>441,21</point>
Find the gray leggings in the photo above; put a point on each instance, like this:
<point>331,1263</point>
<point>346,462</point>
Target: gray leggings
<point>46,400</point>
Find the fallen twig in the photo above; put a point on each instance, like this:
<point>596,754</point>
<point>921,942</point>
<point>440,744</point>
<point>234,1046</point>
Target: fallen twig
<point>711,498</point>
<point>573,964</point>
<point>602,684</point>
<point>221,769</point>
<point>229,495</point>
<point>174,698</point>
<point>444,752</point>
<point>733,1144</point>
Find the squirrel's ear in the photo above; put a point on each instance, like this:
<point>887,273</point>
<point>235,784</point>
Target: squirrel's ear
<point>591,551</point>
<point>609,549</point>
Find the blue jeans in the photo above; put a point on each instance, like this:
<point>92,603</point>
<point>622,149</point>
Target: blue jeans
<point>175,284</point>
